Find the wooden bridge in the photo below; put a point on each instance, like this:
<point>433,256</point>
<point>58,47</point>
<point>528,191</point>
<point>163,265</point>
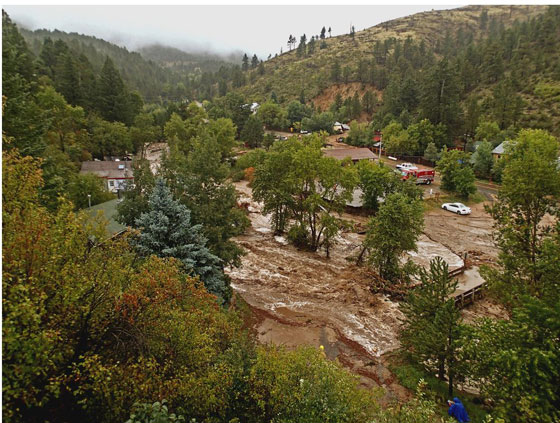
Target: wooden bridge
<point>467,296</point>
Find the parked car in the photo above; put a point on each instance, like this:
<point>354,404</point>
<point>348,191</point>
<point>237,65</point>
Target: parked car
<point>408,166</point>
<point>458,208</point>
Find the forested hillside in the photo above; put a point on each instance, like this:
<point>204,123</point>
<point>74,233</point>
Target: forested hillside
<point>448,66</point>
<point>151,80</point>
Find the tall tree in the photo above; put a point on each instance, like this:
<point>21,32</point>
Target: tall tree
<point>431,328</point>
<point>252,132</point>
<point>393,231</point>
<point>530,190</point>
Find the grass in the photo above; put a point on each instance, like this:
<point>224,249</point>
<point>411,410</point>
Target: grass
<point>433,203</point>
<point>409,374</point>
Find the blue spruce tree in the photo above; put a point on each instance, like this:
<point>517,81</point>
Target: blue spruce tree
<point>166,231</point>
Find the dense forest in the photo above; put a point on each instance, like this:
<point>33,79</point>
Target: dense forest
<point>146,326</point>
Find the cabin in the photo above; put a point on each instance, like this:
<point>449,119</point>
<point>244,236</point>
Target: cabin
<point>116,174</point>
<point>355,154</point>
<point>499,151</point>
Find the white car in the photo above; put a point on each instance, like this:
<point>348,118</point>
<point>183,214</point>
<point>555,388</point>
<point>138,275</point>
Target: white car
<point>458,208</point>
<point>409,166</point>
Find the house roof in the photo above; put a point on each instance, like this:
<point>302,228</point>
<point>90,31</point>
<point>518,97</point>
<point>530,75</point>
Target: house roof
<point>108,169</point>
<point>109,211</point>
<point>353,153</point>
<point>500,149</point>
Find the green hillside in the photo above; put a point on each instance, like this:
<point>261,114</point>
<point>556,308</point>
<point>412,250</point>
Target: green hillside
<point>288,74</point>
<point>148,78</point>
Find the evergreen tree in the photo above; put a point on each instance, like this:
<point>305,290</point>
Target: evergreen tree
<point>166,231</point>
<point>254,61</point>
<point>431,328</point>
<point>323,30</point>
<point>482,159</point>
<point>245,63</point>
<point>431,152</point>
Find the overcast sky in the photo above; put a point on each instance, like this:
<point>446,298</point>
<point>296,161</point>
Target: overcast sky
<point>253,29</point>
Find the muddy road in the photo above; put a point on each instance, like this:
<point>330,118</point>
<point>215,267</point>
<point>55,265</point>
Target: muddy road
<point>303,298</point>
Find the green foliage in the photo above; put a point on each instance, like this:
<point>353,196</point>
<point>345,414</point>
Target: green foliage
<point>253,132</point>
<point>397,140</point>
<point>377,181</point>
<point>273,116</point>
<point>482,160</point>
<point>318,122</point>
<point>488,131</point>
<point>360,134</point>
<point>109,138</point>
<point>420,409</point>
<point>296,181</point>
<point>530,190</point>
<point>166,231</point>
<point>298,386</point>
<point>153,413</point>
<point>135,201</point>
<point>517,362</point>
<point>393,231</point>
<point>431,153</point>
<point>83,185</point>
<point>424,132</point>
<point>456,174</point>
<point>431,328</point>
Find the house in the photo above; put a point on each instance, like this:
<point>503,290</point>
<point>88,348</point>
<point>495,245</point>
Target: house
<point>355,154</point>
<point>499,151</point>
<point>115,173</point>
<point>340,127</point>
<point>255,107</point>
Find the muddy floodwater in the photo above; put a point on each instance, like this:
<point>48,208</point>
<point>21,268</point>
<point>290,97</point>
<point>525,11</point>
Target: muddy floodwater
<point>303,298</point>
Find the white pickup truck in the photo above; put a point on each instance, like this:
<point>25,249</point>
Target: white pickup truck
<point>407,166</point>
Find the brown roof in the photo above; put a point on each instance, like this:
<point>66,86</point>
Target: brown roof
<point>108,169</point>
<point>353,153</point>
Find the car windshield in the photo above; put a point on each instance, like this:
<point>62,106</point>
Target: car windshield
<point>461,205</point>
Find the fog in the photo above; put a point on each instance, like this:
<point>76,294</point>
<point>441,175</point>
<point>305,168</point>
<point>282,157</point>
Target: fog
<point>221,29</point>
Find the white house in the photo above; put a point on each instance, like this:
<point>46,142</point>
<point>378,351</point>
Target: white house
<point>115,173</point>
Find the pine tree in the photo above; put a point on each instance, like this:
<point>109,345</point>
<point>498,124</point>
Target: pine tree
<point>323,30</point>
<point>245,63</point>
<point>166,231</point>
<point>431,330</point>
<point>254,61</point>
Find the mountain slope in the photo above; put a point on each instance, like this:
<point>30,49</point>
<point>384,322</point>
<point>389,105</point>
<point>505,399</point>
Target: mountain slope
<point>287,75</point>
<point>147,77</point>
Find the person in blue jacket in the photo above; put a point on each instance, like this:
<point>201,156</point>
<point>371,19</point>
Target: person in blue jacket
<point>457,410</point>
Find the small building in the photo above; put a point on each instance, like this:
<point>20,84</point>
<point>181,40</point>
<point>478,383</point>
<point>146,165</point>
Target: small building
<point>499,151</point>
<point>355,154</point>
<point>115,173</point>
<point>340,127</point>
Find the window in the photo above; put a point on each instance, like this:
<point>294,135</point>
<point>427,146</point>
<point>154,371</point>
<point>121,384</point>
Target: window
<point>111,184</point>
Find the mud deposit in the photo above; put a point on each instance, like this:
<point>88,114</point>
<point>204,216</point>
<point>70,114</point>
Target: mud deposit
<point>303,298</point>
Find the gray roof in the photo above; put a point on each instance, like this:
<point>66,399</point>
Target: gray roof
<point>108,169</point>
<point>109,211</point>
<point>353,153</point>
<point>500,149</point>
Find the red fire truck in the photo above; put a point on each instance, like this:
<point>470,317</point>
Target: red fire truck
<point>423,176</point>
